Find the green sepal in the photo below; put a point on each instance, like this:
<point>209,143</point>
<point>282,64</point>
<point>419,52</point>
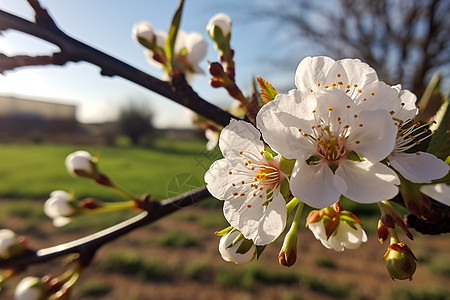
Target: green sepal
<point>285,190</point>
<point>353,156</point>
<point>268,155</point>
<point>173,31</point>
<point>224,231</point>
<point>287,165</point>
<point>222,42</point>
<point>348,220</point>
<point>244,246</point>
<point>259,250</point>
<point>236,240</point>
<point>144,42</point>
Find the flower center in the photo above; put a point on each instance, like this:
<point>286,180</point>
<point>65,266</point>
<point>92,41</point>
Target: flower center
<point>258,179</point>
<point>330,143</point>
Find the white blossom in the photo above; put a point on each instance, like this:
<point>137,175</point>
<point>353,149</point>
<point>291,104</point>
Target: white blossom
<point>337,147</point>
<point>229,253</point>
<point>417,167</point>
<point>345,236</point>
<point>220,20</point>
<point>190,49</point>
<point>8,239</point>
<point>30,288</point>
<point>80,163</point>
<point>143,31</point>
<point>213,138</point>
<point>249,183</point>
<point>59,208</point>
<point>357,79</point>
<point>439,192</point>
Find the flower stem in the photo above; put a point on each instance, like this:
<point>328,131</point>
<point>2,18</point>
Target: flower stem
<point>394,236</point>
<point>108,207</point>
<point>298,213</point>
<point>293,203</point>
<point>124,193</point>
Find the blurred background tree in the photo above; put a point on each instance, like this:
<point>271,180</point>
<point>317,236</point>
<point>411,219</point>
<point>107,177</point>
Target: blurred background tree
<point>136,121</point>
<point>406,41</point>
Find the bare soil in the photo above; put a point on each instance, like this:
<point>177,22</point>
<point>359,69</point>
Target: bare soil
<point>361,272</point>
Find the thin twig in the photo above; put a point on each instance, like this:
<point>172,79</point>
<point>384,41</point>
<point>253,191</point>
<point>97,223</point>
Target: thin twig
<point>74,50</point>
<point>12,62</point>
<point>87,246</point>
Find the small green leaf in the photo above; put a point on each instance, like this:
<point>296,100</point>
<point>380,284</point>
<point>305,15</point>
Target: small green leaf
<point>173,31</point>
<point>268,93</point>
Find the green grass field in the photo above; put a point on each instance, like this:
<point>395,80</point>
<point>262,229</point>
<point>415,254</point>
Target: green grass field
<point>35,170</point>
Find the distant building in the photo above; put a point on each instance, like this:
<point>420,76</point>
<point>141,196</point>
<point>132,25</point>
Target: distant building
<point>25,116</point>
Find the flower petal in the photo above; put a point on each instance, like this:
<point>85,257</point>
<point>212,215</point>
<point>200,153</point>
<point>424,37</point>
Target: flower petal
<point>419,167</point>
<point>273,222</point>
<point>439,192</point>
<point>374,96</point>
<point>368,182</point>
<point>196,47</point>
<point>218,180</point>
<point>316,72</point>
<point>280,120</point>
<point>240,136</point>
<point>373,135</point>
<point>315,185</point>
<point>358,72</point>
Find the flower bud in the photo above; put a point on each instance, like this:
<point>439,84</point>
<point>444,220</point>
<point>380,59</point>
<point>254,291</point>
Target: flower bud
<point>143,34</point>
<point>288,254</point>
<point>222,22</point>
<point>233,253</point>
<point>383,232</point>
<point>400,261</point>
<point>10,244</point>
<point>30,288</point>
<point>338,230</point>
<point>60,207</point>
<point>81,163</point>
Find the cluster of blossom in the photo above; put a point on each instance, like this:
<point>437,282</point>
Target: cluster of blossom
<point>341,133</point>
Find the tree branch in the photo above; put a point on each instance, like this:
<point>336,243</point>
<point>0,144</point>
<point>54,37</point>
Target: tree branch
<point>75,51</point>
<point>12,62</point>
<point>87,246</point>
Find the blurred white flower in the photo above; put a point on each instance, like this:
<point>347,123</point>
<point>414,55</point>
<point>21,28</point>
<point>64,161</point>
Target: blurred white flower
<point>212,137</point>
<point>143,33</point>
<point>439,192</point>
<point>8,239</point>
<point>220,20</point>
<point>81,163</point>
<point>345,236</point>
<point>30,288</point>
<point>59,208</point>
<point>230,254</point>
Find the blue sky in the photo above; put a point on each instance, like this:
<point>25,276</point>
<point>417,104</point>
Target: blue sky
<point>107,26</point>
